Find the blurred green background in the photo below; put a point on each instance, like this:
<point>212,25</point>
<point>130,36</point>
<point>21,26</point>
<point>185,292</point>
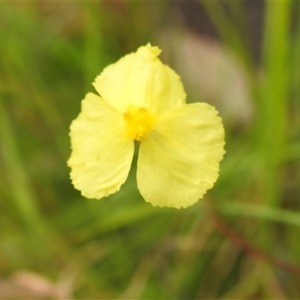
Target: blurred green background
<point>242,241</point>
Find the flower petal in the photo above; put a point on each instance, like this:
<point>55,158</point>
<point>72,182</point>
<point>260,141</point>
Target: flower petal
<point>140,79</point>
<point>101,153</point>
<point>179,161</point>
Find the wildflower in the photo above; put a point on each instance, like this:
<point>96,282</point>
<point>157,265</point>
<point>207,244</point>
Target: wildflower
<point>142,100</point>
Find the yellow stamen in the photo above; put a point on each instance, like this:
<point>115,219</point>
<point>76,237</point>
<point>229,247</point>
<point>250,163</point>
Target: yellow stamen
<point>138,122</point>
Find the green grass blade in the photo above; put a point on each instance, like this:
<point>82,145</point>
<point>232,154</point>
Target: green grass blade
<point>265,213</point>
<point>272,110</point>
<point>19,185</point>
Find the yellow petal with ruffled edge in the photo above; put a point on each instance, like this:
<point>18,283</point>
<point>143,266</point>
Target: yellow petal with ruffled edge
<point>101,152</point>
<point>141,80</point>
<point>179,161</point>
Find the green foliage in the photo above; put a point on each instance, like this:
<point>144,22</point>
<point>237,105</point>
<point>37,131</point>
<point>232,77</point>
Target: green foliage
<point>122,247</point>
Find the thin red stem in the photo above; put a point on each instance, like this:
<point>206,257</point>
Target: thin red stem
<point>240,242</point>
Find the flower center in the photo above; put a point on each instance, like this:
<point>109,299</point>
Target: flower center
<point>138,122</point>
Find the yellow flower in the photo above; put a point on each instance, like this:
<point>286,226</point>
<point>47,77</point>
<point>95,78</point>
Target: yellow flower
<point>143,100</point>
